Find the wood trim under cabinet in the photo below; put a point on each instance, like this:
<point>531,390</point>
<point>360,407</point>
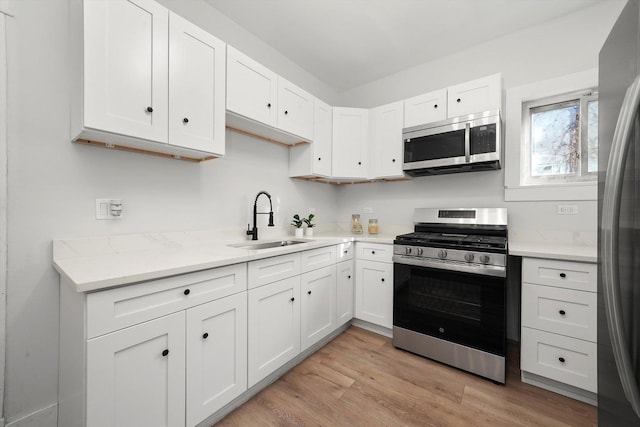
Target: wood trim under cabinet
<point>141,151</point>
<point>264,138</point>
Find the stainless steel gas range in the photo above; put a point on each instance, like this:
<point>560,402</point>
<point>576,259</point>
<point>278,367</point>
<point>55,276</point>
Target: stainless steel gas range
<point>449,300</point>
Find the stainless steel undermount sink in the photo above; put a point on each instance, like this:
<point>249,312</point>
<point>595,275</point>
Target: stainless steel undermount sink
<point>268,245</point>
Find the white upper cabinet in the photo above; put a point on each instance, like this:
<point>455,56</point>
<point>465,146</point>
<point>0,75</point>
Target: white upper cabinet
<point>426,108</point>
<point>252,89</point>
<point>386,137</point>
<point>196,87</point>
<point>125,68</point>
<point>276,109</point>
<point>146,80</point>
<point>350,140</point>
<point>309,160</point>
<point>475,96</point>
<point>295,109</point>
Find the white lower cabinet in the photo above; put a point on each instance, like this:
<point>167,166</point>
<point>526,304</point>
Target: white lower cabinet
<point>344,292</point>
<point>559,326</point>
<point>318,310</point>
<point>274,327</point>
<point>374,284</point>
<point>216,341</point>
<point>135,376</point>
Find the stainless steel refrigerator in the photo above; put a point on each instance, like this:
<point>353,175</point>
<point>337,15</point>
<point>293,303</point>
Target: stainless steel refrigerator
<point>619,223</point>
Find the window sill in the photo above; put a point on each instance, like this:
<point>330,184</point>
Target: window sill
<point>576,191</point>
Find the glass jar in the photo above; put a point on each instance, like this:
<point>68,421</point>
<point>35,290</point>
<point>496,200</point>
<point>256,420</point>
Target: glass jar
<point>373,226</point>
<point>356,227</point>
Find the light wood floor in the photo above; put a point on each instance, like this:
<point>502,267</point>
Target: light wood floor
<point>360,379</point>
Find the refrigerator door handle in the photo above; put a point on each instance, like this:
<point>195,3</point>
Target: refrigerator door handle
<point>623,134</point>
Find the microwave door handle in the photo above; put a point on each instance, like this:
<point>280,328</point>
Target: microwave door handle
<point>467,151</point>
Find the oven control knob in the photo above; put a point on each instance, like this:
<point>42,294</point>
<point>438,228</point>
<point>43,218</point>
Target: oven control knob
<point>468,257</point>
<point>420,251</point>
<point>407,250</point>
<point>484,259</point>
<point>442,254</point>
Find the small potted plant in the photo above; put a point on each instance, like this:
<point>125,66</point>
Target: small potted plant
<point>297,223</point>
<point>309,231</point>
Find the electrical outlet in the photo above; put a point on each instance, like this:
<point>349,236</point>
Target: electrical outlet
<point>367,210</point>
<point>567,210</point>
<point>108,208</point>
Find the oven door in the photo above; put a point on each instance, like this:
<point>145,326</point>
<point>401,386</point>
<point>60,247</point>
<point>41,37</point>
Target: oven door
<point>461,307</point>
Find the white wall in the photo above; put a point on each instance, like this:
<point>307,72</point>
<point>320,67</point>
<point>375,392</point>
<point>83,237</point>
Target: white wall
<point>53,185</point>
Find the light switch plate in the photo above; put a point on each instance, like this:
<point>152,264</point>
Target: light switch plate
<point>108,208</point>
<point>367,210</point>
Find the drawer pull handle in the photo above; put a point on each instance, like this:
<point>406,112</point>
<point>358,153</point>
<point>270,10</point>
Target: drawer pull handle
<point>563,275</point>
<point>349,277</point>
<point>187,291</point>
<point>205,335</point>
<point>562,312</point>
<point>308,292</point>
<point>292,299</point>
<point>373,252</point>
<point>561,359</point>
<point>165,353</point>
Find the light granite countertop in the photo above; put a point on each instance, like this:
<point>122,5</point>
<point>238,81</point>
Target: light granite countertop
<point>96,263</point>
<point>568,246</point>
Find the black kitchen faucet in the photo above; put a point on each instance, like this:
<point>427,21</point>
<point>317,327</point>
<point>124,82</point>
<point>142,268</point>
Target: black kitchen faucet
<point>254,231</point>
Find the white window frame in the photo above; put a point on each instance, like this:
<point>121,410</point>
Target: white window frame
<point>516,189</point>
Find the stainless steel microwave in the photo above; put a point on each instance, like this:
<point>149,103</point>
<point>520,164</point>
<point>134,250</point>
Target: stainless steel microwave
<point>461,144</point>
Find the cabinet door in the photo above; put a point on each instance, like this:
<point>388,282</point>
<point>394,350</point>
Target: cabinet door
<point>216,355</point>
<point>318,310</point>
<point>135,376</point>
<point>295,109</point>
<point>344,292</point>
<point>196,87</point>
<point>274,327</point>
<point>322,137</point>
<point>427,108</point>
<point>350,137</point>
<point>475,96</point>
<point>252,89</point>
<point>374,292</point>
<point>386,134</point>
<point>125,68</point>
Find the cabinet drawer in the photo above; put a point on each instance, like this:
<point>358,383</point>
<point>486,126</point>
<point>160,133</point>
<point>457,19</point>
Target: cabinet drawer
<point>345,251</point>
<point>269,270</point>
<point>375,252</point>
<point>561,311</point>
<point>568,360</point>
<point>122,307</point>
<point>566,274</point>
<point>317,258</point>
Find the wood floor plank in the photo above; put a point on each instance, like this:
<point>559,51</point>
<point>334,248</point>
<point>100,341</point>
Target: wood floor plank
<point>360,379</point>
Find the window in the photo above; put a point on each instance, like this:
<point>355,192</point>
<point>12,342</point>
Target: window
<point>560,135</point>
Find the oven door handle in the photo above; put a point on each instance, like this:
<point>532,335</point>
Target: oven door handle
<point>467,142</point>
<point>485,270</point>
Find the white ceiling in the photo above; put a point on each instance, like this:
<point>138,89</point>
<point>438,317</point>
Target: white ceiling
<point>347,43</point>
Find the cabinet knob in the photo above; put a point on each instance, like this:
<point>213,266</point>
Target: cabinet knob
<point>319,158</point>
<point>563,275</point>
<point>308,292</point>
<point>205,335</point>
<point>187,291</point>
<point>458,100</point>
<point>292,299</point>
<point>435,106</point>
<point>349,277</point>
<point>373,252</point>
<point>149,110</point>
<point>346,252</point>
<point>393,160</point>
<point>382,279</point>
<point>562,312</point>
<point>561,359</point>
<point>359,163</point>
<point>185,120</point>
<point>269,105</point>
<point>165,353</point>
<point>286,112</point>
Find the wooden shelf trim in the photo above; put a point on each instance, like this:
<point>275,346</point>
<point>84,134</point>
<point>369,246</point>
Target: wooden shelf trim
<point>330,181</point>
<point>264,138</point>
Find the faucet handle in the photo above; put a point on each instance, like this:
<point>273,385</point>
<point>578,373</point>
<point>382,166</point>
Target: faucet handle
<point>249,232</point>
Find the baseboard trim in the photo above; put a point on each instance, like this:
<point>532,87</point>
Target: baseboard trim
<point>380,330</point>
<point>560,388</point>
<point>45,417</point>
